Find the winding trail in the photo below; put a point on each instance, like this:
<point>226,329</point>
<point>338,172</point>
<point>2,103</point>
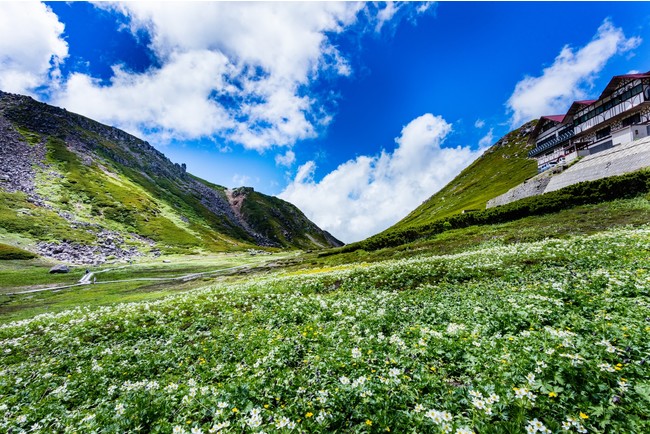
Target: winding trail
<point>86,279</point>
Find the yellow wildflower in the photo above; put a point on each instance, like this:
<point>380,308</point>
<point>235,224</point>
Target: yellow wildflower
<point>583,416</point>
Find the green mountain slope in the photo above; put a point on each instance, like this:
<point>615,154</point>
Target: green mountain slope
<point>500,168</point>
<point>77,190</point>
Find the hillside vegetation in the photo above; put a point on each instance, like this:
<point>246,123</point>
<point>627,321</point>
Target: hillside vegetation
<point>501,167</point>
<point>532,337</point>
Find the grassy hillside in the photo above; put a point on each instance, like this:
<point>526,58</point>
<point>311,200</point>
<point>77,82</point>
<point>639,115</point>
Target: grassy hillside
<point>10,252</point>
<point>503,166</point>
<point>505,339</point>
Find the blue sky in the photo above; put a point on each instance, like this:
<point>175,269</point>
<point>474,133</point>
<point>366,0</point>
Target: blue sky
<point>355,112</point>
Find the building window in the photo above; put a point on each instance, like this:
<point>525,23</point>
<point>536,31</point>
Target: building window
<point>601,134</point>
<point>547,126</point>
<point>634,119</point>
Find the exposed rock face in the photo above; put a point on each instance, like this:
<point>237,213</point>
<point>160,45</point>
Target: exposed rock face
<point>59,269</point>
<point>236,198</point>
<point>17,160</point>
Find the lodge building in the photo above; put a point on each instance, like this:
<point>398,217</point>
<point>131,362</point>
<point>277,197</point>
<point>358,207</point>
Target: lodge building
<point>621,114</point>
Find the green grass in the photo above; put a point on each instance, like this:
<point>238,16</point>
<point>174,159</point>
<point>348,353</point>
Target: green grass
<point>32,273</point>
<point>623,186</point>
<point>18,216</point>
<point>29,136</point>
<point>17,307</point>
<point>10,252</point>
<point>18,276</point>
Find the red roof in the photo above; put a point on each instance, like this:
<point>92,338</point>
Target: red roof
<point>578,105</point>
<point>613,83</point>
<point>554,118</point>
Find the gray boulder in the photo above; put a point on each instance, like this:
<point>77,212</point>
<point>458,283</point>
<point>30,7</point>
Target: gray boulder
<point>61,268</point>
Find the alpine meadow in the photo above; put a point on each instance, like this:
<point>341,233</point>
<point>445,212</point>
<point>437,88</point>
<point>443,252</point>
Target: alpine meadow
<point>197,235</point>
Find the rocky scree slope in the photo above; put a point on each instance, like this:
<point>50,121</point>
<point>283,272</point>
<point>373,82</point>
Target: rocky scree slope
<point>76,190</point>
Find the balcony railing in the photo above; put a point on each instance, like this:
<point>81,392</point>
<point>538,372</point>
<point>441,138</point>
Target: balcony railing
<point>566,135</point>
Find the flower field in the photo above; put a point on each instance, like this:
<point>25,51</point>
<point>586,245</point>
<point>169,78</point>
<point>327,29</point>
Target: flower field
<point>543,337</point>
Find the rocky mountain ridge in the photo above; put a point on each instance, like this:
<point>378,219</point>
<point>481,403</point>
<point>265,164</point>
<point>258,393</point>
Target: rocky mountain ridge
<point>61,170</point>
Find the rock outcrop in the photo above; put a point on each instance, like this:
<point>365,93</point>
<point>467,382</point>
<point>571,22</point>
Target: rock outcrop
<point>59,269</point>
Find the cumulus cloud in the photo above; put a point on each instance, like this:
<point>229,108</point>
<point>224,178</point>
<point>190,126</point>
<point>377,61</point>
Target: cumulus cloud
<point>569,77</point>
<point>243,72</point>
<point>480,123</point>
<point>286,160</point>
<point>169,102</point>
<point>366,195</point>
<point>260,59</point>
<point>31,46</point>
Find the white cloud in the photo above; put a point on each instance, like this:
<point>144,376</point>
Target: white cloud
<point>569,77</point>
<point>259,60</point>
<point>368,194</point>
<point>31,46</point>
<point>242,72</point>
<point>480,123</point>
<point>425,7</point>
<point>286,160</point>
<point>487,139</point>
<point>386,14</point>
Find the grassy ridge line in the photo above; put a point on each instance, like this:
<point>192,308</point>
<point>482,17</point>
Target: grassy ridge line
<point>579,220</point>
<point>588,192</point>
<point>490,341</point>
